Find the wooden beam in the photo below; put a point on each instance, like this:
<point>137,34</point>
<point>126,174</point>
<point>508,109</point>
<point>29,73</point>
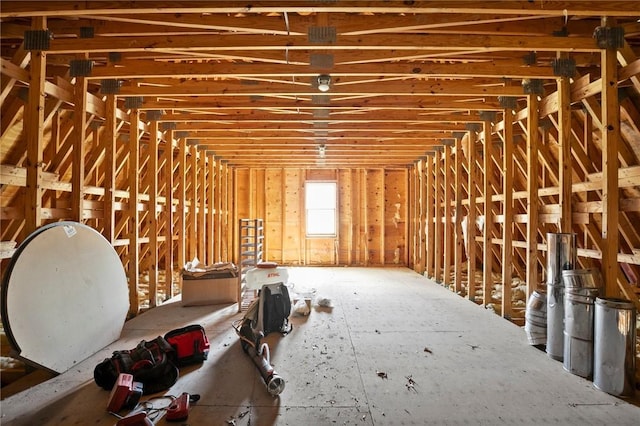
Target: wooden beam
<point>10,115</point>
<point>133,213</point>
<point>21,59</point>
<point>437,215</point>
<point>630,65</point>
<point>192,196</point>
<point>206,104</point>
<point>211,231</point>
<point>349,216</point>
<point>150,69</point>
<point>152,213</point>
<point>356,117</point>
<point>227,226</point>
<point>487,254</point>
<point>507,211</point>
<point>54,142</point>
<point>380,209</point>
<point>565,171</point>
<point>610,196</point>
<point>34,134</point>
<point>422,181</point>
<point>417,191</point>
<point>430,215</point>
<point>406,89</point>
<point>218,43</point>
<point>168,212</point>
<point>109,135</point>
<point>447,231</point>
<point>471,215</point>
<point>79,149</point>
<point>124,8</point>
<point>533,140</point>
<point>459,240</point>
<point>201,235</point>
<point>181,223</point>
<point>218,207</point>
<point>413,201</point>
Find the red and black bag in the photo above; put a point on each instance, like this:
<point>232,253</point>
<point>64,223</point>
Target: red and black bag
<point>150,363</point>
<point>190,344</point>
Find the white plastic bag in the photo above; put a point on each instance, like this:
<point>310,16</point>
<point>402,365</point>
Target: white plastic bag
<point>323,301</point>
<point>301,308</point>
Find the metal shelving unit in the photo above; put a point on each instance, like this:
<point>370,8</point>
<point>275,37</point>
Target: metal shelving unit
<point>251,244</point>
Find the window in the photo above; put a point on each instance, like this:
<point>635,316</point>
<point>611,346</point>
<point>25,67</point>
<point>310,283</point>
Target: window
<point>320,205</point>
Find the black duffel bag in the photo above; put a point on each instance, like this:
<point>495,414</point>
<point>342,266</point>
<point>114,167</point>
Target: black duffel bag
<point>150,363</point>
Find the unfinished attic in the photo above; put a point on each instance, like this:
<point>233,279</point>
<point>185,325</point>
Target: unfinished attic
<point>435,167</point>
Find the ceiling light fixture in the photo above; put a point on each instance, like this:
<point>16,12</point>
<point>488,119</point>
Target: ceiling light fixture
<point>324,80</point>
<point>321,151</point>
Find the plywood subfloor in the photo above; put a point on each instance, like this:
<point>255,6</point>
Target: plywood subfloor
<point>395,349</point>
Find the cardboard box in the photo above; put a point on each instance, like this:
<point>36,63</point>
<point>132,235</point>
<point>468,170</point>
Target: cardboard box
<point>209,291</point>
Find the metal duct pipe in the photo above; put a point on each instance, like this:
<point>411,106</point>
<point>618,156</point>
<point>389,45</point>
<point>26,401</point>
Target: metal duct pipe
<point>561,255</point>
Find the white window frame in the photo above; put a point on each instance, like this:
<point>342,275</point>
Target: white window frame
<point>312,231</point>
